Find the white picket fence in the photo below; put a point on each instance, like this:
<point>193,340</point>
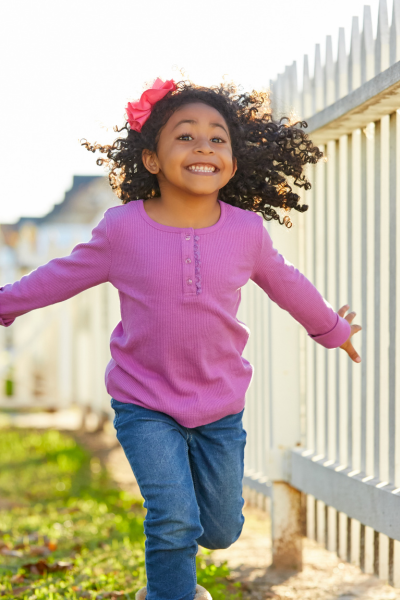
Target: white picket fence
<point>57,355</point>
<point>348,244</point>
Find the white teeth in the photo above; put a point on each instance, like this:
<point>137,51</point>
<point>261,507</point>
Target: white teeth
<point>201,168</point>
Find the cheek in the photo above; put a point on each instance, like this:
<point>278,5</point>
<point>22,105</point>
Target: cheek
<point>228,160</point>
<point>172,158</point>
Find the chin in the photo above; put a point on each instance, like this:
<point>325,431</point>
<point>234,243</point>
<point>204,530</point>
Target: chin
<point>203,190</point>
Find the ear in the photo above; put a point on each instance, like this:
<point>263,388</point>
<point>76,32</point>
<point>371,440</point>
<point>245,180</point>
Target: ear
<point>150,161</point>
<point>234,167</point>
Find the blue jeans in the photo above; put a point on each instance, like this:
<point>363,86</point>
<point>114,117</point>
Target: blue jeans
<point>191,481</point>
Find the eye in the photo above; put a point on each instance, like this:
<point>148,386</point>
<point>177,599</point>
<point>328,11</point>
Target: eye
<point>185,135</point>
<point>219,140</point>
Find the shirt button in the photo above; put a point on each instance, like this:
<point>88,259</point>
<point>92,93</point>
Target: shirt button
<point>189,281</point>
<point>188,260</point>
<point>187,237</point>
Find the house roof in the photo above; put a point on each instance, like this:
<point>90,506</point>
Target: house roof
<point>88,196</point>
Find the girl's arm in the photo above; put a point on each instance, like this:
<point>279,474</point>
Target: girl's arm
<point>61,278</point>
<point>293,292</point>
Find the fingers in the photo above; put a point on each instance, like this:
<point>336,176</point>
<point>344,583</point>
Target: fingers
<point>349,318</point>
<point>353,354</point>
<point>347,346</point>
<point>343,310</point>
<point>355,329</point>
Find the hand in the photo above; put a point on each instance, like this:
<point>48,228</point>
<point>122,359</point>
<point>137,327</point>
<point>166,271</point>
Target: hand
<point>347,346</point>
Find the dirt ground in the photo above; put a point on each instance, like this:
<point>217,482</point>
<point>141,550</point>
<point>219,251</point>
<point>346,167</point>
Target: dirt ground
<point>324,576</point>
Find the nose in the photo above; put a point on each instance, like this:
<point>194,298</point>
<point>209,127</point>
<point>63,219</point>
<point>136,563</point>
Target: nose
<point>204,146</point>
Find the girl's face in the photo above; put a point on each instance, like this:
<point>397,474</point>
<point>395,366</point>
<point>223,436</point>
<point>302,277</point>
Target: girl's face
<point>194,152</point>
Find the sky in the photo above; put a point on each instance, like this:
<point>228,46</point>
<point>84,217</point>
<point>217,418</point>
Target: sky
<point>69,67</point>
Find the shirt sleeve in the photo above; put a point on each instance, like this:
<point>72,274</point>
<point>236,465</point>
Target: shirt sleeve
<point>61,278</point>
<point>293,292</point>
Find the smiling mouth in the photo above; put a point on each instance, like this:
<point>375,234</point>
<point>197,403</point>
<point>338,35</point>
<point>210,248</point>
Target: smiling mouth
<point>202,169</point>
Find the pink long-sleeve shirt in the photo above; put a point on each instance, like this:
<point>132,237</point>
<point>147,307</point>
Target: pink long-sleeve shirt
<point>178,347</point>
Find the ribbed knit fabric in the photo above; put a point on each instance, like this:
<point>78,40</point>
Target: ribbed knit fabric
<point>178,347</point>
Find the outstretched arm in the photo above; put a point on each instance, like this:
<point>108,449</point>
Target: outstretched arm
<point>293,292</point>
<point>61,278</point>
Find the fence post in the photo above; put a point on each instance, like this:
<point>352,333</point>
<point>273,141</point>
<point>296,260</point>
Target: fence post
<point>286,506</point>
<point>287,526</point>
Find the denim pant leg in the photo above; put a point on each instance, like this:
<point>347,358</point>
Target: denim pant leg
<point>216,453</point>
<point>157,450</point>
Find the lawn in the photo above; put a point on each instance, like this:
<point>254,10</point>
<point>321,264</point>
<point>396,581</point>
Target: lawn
<point>67,532</point>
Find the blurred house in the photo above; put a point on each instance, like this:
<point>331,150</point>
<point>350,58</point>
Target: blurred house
<point>31,363</point>
<point>33,241</point>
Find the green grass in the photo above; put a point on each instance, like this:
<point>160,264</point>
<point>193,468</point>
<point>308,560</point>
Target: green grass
<point>60,512</point>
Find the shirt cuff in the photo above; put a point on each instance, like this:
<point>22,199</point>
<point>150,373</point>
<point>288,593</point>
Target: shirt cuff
<point>337,336</point>
<point>6,322</point>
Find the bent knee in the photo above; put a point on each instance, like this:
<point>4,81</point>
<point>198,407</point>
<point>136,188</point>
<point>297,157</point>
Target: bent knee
<point>219,540</point>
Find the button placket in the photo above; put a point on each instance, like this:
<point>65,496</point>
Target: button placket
<point>197,263</point>
<point>189,287</point>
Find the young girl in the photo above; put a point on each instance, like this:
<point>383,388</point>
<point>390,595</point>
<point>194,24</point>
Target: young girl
<point>195,167</point>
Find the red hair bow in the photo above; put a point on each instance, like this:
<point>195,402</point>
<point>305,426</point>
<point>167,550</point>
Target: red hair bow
<point>138,112</point>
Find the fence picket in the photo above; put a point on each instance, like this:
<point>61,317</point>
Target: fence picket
<point>337,301</point>
<point>357,207</point>
<point>367,47</point>
<point>295,98</point>
<point>329,72</point>
<point>369,322</point>
<point>331,289</point>
<point>382,45</point>
<point>319,279</point>
<point>344,366</point>
<point>395,33</point>
<point>349,295</point>
<point>355,57</point>
<point>377,312</point>
<point>306,107</point>
<point>384,300</point>
<point>341,66</point>
<point>318,81</point>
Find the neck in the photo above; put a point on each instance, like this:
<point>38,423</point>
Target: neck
<point>177,208</point>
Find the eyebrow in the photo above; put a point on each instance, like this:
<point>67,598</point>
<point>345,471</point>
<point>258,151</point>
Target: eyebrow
<point>192,121</point>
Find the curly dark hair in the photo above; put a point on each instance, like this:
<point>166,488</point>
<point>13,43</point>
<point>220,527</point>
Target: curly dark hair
<point>267,151</point>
